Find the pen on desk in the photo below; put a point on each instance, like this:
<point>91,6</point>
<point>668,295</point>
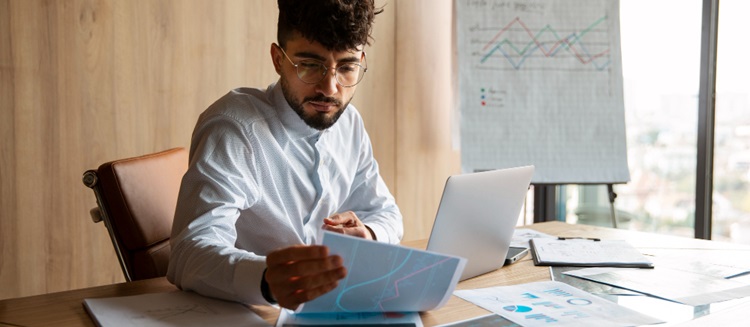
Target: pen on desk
<point>737,275</point>
<point>579,238</point>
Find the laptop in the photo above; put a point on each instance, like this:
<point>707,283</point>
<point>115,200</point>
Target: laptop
<point>477,216</point>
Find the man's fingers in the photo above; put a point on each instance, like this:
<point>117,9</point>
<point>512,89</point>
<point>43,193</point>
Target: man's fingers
<point>330,221</point>
<point>357,231</point>
<point>301,269</point>
<point>334,228</point>
<point>301,273</point>
<point>292,292</point>
<point>314,281</point>
<point>344,218</point>
<point>299,297</point>
<point>296,253</point>
<point>347,223</point>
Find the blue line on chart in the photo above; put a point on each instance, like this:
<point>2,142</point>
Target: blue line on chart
<point>338,298</point>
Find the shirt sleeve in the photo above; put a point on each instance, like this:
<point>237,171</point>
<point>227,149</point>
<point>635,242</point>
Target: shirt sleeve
<point>370,198</point>
<point>217,185</point>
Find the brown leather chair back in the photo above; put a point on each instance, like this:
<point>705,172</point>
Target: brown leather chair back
<point>136,199</point>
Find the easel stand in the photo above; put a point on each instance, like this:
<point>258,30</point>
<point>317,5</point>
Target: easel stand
<point>612,197</point>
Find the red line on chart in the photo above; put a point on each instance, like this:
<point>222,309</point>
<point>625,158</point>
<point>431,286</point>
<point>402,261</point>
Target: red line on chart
<point>533,38</point>
<point>583,58</point>
<point>517,19</point>
<point>395,284</point>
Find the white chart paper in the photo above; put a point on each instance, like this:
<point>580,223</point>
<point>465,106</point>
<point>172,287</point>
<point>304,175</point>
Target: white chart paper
<point>387,278</point>
<point>170,309</point>
<point>553,304</point>
<point>521,237</point>
<point>670,284</point>
<point>540,83</point>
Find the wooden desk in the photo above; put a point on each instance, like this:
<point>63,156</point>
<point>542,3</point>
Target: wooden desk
<point>66,309</point>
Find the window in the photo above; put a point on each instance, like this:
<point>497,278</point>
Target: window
<point>661,54</point>
<point>731,190</point>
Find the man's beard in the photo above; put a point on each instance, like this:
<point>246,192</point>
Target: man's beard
<point>319,121</point>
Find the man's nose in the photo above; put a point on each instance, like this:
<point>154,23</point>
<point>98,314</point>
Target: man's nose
<point>328,86</point>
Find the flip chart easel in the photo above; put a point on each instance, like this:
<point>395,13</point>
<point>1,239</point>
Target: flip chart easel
<point>545,202</point>
<point>540,83</point>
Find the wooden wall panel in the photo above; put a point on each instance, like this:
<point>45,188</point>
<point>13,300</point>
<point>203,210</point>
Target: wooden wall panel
<point>8,222</point>
<point>376,94</point>
<point>87,81</point>
<point>424,110</point>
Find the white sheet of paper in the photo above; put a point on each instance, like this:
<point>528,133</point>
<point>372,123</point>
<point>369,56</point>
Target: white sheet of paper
<point>549,302</point>
<point>727,263</point>
<point>387,278</point>
<point>521,237</point>
<point>670,284</point>
<point>170,309</point>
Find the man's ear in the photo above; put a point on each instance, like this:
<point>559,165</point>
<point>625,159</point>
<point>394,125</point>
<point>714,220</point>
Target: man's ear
<point>276,57</point>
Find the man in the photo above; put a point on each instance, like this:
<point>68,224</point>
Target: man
<point>271,169</point>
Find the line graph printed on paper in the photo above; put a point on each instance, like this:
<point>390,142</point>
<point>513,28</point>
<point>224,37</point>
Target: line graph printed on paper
<point>405,276</point>
<point>506,35</point>
<point>515,46</point>
<point>410,279</point>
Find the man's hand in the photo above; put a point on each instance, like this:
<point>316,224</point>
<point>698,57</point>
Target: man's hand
<point>301,273</point>
<point>348,223</point>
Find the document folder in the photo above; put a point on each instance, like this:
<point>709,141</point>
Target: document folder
<point>580,252</point>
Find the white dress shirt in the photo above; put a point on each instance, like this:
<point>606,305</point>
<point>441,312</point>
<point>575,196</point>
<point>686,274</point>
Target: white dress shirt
<point>260,179</point>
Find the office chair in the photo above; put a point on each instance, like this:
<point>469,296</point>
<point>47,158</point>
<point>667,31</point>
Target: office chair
<point>136,199</point>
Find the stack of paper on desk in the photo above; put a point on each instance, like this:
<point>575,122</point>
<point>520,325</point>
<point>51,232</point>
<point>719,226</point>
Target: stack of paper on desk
<point>586,253</point>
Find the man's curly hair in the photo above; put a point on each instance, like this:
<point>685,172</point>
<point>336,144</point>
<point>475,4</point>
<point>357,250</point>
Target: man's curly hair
<point>338,25</point>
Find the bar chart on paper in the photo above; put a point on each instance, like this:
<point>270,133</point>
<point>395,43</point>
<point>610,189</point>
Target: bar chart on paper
<point>540,83</point>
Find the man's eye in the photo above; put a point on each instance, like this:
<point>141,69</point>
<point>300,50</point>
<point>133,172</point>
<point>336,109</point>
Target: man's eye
<point>310,65</point>
<point>350,68</point>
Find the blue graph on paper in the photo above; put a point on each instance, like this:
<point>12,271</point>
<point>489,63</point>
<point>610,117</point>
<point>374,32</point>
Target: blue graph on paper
<point>385,278</point>
<point>552,303</point>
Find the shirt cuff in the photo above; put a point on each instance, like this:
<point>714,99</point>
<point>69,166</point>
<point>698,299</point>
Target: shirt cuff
<point>380,233</point>
<point>264,290</point>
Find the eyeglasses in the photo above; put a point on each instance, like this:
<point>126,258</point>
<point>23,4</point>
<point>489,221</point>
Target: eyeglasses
<point>312,71</point>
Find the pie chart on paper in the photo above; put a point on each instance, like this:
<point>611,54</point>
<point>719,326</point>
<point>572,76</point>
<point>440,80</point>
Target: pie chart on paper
<point>517,308</point>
